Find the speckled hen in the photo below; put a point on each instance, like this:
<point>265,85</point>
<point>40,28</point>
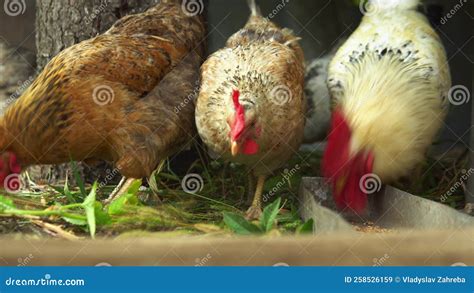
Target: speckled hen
<point>122,96</point>
<point>251,106</point>
<point>389,83</point>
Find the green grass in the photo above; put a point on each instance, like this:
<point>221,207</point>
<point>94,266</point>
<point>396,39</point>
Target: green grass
<point>436,178</point>
<point>166,210</point>
<point>78,209</point>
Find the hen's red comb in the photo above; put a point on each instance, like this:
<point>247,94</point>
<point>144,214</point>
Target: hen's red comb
<point>235,99</point>
<point>239,123</point>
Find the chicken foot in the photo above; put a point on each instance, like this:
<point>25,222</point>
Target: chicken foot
<point>255,210</point>
<point>251,188</point>
<point>121,188</point>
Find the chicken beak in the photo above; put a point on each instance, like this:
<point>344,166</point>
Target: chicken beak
<point>234,149</point>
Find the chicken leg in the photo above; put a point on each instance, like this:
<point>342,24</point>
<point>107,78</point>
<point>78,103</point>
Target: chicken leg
<point>251,188</point>
<point>121,188</point>
<point>255,210</point>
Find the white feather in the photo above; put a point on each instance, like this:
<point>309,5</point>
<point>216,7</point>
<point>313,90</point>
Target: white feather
<point>394,4</point>
<point>391,79</point>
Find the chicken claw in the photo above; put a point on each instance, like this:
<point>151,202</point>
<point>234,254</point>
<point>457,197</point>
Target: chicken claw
<point>121,189</point>
<point>255,210</point>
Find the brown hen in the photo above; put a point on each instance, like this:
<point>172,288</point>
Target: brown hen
<point>123,96</point>
<point>251,106</point>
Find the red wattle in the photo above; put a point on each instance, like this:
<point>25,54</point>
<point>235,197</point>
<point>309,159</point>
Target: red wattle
<point>250,147</point>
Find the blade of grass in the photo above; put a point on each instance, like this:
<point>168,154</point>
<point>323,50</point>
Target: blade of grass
<point>240,225</point>
<point>67,192</point>
<point>78,178</point>
<point>89,207</point>
<point>210,199</point>
<point>306,228</point>
<point>269,215</point>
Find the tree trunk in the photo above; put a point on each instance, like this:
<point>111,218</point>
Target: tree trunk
<point>59,25</point>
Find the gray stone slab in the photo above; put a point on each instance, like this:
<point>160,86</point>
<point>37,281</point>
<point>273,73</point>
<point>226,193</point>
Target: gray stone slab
<point>391,208</point>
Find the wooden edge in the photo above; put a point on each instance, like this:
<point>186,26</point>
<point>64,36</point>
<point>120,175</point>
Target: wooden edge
<point>410,248</point>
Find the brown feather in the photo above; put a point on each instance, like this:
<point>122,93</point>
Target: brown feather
<point>146,66</point>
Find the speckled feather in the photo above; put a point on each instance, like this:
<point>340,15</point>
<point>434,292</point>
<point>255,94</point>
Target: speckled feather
<point>256,60</point>
<point>391,79</point>
<point>141,60</point>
